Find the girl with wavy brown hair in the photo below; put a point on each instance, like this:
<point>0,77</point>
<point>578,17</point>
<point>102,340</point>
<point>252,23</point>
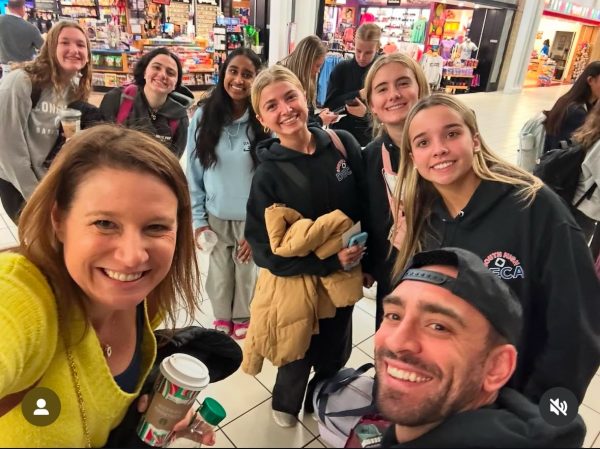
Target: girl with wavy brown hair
<point>31,98</point>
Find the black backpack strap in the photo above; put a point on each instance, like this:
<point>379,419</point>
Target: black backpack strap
<point>36,93</point>
<point>342,378</point>
<point>587,195</point>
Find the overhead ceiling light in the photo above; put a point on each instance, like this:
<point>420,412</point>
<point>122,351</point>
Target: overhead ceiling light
<point>461,4</point>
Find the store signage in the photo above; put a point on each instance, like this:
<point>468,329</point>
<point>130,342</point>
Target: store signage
<point>585,9</point>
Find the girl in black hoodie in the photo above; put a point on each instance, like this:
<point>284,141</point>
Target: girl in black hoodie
<point>457,192</point>
<point>303,170</point>
<point>393,85</point>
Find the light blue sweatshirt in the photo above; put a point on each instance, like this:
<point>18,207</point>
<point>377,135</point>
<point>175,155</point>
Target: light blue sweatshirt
<point>221,190</point>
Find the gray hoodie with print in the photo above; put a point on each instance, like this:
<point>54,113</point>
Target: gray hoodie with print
<point>26,135</point>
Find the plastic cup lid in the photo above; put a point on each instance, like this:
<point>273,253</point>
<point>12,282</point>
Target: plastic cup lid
<point>212,412</point>
<point>185,371</point>
<point>70,113</point>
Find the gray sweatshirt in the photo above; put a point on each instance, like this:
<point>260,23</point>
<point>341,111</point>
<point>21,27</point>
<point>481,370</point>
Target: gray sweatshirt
<point>26,135</point>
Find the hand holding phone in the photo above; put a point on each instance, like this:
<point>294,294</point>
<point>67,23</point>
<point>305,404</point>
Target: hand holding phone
<point>352,102</point>
<point>358,239</point>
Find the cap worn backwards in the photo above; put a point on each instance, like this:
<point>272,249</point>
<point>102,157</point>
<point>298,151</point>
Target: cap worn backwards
<point>474,283</point>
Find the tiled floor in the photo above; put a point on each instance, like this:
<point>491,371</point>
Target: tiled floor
<point>247,399</point>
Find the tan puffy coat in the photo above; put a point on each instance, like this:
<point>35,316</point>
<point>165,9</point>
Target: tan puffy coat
<point>285,311</point>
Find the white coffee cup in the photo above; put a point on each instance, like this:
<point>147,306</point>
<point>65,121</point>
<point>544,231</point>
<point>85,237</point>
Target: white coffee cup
<point>207,240</point>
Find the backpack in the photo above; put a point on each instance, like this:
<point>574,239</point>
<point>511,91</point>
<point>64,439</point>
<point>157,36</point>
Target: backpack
<point>341,401</point>
<point>127,98</point>
<point>560,169</point>
<point>531,142</point>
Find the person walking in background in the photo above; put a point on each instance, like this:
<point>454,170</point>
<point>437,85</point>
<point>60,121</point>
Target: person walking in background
<point>305,62</point>
<point>346,82</point>
<point>303,170</point>
<point>31,97</point>
<point>545,48</point>
<point>154,102</point>
<point>570,110</point>
<point>587,195</point>
<point>19,39</point>
<point>393,85</point>
<point>457,192</point>
<point>221,160</point>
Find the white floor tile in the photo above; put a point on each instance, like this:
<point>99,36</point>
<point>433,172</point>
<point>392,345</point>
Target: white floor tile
<point>221,440</point>
<point>367,305</point>
<point>268,375</point>
<point>592,396</point>
<point>363,325</point>
<point>238,394</point>
<point>597,442</point>
<point>592,423</point>
<point>315,444</point>
<point>367,346</point>
<point>257,429</point>
<point>358,358</point>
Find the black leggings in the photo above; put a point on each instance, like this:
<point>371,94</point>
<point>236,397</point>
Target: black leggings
<point>328,352</point>
<point>12,200</point>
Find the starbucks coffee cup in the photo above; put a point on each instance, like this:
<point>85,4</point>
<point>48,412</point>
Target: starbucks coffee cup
<point>70,120</point>
<point>182,377</point>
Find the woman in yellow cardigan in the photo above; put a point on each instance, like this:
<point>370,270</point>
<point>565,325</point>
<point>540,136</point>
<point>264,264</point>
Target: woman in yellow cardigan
<point>106,242</point>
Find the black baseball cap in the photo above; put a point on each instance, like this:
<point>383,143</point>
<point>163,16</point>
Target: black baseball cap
<point>475,284</point>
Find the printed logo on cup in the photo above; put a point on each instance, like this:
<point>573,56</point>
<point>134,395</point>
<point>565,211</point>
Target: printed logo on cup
<point>41,406</point>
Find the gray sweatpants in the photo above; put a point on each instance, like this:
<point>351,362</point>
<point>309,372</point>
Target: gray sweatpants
<point>229,283</point>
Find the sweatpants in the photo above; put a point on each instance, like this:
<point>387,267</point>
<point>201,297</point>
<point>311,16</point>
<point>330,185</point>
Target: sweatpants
<point>229,283</point>
<point>328,352</point>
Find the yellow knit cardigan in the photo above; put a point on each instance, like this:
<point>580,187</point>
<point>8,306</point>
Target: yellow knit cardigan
<point>32,349</point>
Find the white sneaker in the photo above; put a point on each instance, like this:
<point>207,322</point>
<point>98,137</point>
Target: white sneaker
<point>283,419</point>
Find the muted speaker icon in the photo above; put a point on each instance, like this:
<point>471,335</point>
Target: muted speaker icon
<point>558,407</point>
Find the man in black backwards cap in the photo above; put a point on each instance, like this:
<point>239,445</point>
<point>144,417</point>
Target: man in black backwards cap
<point>443,354</point>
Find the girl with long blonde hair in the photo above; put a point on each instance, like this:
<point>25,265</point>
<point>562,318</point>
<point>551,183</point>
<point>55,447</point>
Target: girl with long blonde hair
<point>305,62</point>
<point>457,192</point>
<point>393,85</point>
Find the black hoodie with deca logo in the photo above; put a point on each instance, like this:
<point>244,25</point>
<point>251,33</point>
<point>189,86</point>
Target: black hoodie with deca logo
<point>539,250</point>
<point>312,184</point>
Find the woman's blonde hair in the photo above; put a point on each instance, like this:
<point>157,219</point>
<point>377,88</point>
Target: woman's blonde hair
<point>407,62</point>
<point>301,62</point>
<point>589,133</point>
<point>109,146</point>
<point>274,74</point>
<point>417,194</point>
<point>45,69</point>
<point>368,32</point>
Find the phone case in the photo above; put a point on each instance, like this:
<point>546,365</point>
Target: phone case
<point>358,239</point>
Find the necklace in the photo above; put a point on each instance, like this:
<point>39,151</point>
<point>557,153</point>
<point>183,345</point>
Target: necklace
<point>152,113</point>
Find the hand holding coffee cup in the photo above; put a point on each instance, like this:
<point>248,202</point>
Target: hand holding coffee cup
<point>70,119</point>
<point>181,378</point>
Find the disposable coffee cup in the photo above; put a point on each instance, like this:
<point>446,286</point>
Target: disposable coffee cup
<point>70,120</point>
<point>207,240</point>
<point>182,377</point>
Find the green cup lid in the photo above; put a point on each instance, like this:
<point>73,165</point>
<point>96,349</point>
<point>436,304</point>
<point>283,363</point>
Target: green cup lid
<point>212,412</point>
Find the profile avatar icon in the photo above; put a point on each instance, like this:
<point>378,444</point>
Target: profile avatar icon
<point>41,408</point>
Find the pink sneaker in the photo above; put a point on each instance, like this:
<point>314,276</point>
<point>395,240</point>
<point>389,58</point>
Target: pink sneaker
<point>223,326</point>
<point>240,330</point>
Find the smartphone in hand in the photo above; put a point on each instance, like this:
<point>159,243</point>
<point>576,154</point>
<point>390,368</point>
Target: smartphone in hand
<point>358,239</point>
<point>352,102</point>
